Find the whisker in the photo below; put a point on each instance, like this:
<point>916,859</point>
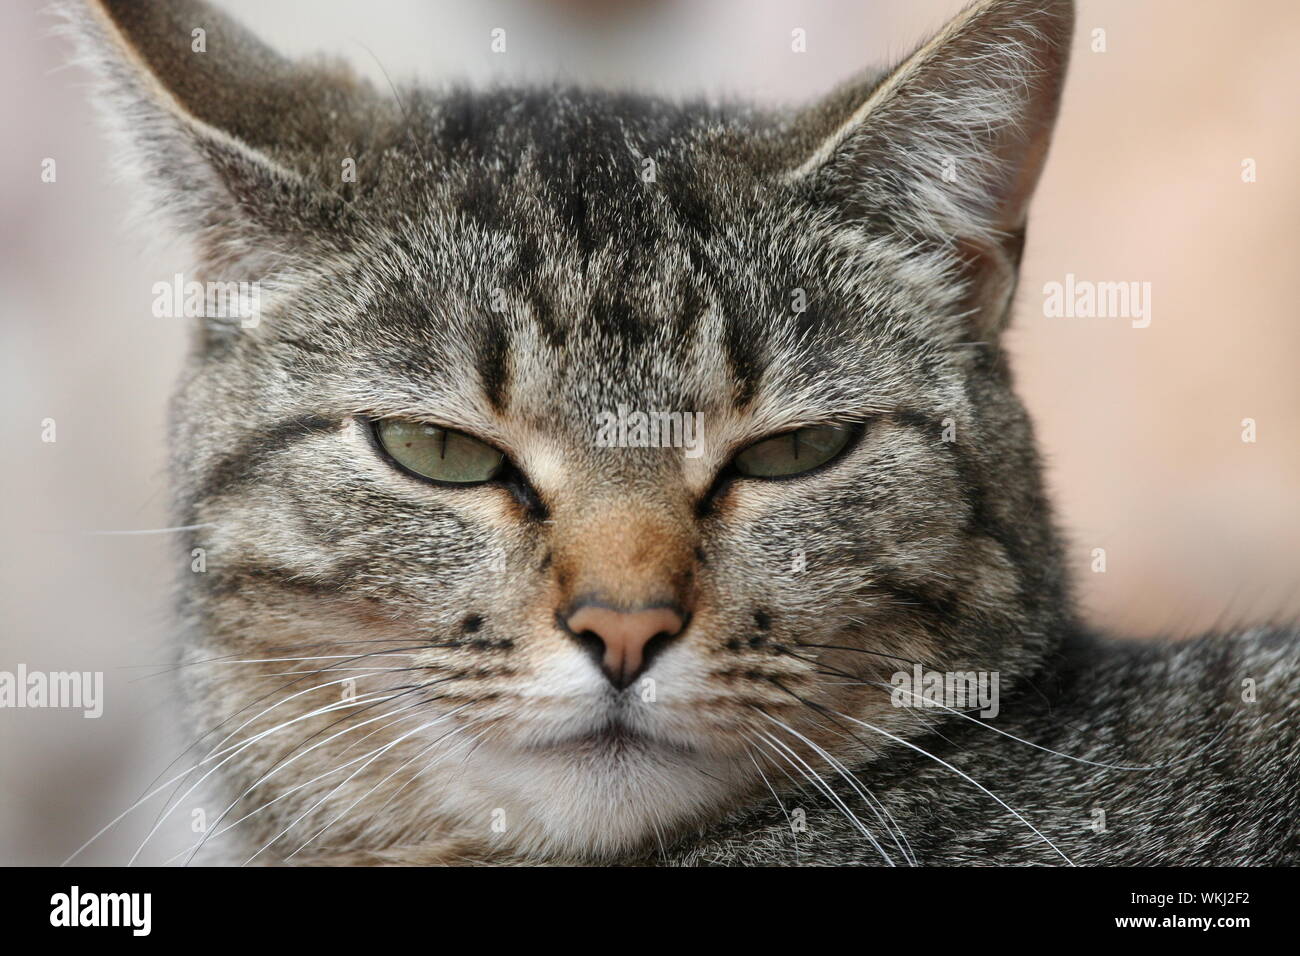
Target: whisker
<point>281,763</point>
<point>162,787</point>
<point>961,773</point>
<point>829,792</point>
<point>374,755</point>
<point>183,527</point>
<point>772,790</point>
<point>859,650</point>
<point>236,751</point>
<point>839,768</point>
<point>344,812</point>
<point>215,834</point>
<point>1030,743</point>
<point>420,770</point>
<point>253,703</point>
<point>228,736</point>
<point>225,658</point>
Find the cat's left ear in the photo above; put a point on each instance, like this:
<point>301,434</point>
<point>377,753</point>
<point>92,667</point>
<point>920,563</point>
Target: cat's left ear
<point>948,147</point>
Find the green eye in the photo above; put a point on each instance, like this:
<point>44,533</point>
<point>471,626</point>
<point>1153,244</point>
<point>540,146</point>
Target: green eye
<point>438,453</point>
<point>794,452</point>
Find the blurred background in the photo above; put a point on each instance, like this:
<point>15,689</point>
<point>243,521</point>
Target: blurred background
<point>1141,428</point>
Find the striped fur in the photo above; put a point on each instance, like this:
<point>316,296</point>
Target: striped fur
<point>503,266</point>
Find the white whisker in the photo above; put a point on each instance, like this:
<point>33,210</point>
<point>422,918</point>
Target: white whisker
<point>852,781</point>
<point>179,776</point>
<point>344,812</point>
<point>374,755</point>
<point>829,791</point>
<point>965,776</point>
<point>214,835</point>
<point>282,764</point>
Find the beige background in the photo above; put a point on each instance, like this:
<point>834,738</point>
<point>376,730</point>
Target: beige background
<point>1140,427</point>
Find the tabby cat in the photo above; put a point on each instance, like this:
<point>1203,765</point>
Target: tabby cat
<point>598,471</point>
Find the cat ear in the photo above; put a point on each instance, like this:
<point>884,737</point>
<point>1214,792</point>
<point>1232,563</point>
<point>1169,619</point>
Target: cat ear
<point>949,146</point>
<point>241,147</point>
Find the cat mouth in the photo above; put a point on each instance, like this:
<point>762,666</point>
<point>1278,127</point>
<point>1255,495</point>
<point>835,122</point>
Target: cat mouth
<point>614,738</point>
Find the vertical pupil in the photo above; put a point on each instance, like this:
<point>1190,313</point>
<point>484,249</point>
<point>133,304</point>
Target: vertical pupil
<point>442,439</point>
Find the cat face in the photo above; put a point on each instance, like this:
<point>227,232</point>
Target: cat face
<point>595,461</point>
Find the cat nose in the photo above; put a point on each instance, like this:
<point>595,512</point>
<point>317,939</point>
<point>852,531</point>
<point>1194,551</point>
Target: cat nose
<point>624,641</point>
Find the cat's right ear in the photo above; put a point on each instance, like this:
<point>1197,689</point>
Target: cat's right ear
<point>241,149</point>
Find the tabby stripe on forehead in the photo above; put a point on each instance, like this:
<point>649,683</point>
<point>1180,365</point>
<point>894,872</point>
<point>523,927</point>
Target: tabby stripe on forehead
<point>245,462</point>
<point>494,364</point>
<point>743,360</point>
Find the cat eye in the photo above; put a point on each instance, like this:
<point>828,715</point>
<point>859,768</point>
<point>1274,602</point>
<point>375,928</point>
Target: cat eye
<point>439,454</point>
<point>793,453</point>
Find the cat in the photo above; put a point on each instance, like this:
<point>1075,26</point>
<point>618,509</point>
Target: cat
<point>440,622</point>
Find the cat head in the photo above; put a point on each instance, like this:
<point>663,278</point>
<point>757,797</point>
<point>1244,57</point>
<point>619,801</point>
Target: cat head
<point>589,458</point>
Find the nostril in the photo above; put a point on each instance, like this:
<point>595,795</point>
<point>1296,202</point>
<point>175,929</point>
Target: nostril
<point>592,644</point>
<point>623,641</point>
<point>653,647</point>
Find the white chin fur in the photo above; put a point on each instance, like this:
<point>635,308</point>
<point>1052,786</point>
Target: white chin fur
<point>587,802</point>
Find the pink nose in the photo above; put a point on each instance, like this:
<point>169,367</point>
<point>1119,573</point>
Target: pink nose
<point>624,635</point>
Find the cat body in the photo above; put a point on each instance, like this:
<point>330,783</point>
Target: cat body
<point>383,666</point>
<point>1092,768</point>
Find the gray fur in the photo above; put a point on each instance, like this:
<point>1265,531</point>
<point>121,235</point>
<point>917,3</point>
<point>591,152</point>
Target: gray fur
<point>671,294</point>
